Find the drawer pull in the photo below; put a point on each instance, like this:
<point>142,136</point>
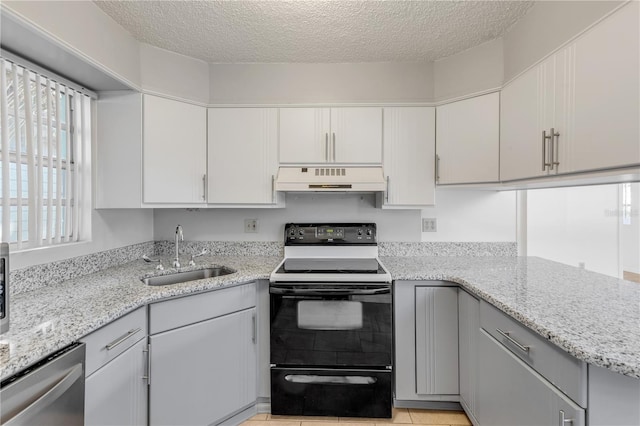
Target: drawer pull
<point>506,335</point>
<point>564,421</point>
<point>122,339</point>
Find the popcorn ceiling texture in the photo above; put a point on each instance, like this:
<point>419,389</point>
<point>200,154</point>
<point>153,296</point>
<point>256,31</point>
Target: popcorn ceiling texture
<point>316,31</point>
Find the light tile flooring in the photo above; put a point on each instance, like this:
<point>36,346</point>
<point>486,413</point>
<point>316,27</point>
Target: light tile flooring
<point>400,416</point>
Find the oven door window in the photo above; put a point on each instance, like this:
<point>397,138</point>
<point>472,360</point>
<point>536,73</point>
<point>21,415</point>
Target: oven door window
<point>329,315</point>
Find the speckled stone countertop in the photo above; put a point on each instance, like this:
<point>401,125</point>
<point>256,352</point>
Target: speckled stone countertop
<point>594,317</point>
<point>50,318</point>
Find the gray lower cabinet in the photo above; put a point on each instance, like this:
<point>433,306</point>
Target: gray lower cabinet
<point>426,334</point>
<point>512,393</point>
<point>116,394</point>
<point>205,371</point>
<point>468,330</point>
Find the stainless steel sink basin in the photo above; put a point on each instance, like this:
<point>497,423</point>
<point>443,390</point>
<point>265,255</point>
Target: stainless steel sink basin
<point>181,277</point>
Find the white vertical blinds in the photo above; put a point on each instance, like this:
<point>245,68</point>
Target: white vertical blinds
<point>44,125</point>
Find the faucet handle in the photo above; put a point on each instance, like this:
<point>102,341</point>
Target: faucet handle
<point>148,260</point>
<point>193,256</point>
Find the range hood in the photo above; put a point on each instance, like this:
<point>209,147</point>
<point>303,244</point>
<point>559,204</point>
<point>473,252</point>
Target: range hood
<point>330,179</point>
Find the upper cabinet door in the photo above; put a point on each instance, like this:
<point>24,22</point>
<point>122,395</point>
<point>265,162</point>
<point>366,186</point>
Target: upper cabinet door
<point>331,135</point>
<point>521,148</point>
<point>468,140</point>
<point>243,159</point>
<point>175,151</point>
<point>606,97</point>
<point>409,154</point>
<point>304,135</point>
<point>356,135</point>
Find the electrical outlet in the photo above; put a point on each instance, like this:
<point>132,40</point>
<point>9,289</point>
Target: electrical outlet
<point>581,265</point>
<point>251,225</point>
<point>429,224</point>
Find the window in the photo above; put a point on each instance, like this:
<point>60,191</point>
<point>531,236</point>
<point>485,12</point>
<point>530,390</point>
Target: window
<point>45,131</point>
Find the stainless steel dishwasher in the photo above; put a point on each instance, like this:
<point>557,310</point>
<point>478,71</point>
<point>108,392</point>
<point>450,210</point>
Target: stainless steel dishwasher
<point>50,392</point>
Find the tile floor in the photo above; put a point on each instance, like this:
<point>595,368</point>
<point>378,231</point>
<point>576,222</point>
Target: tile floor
<point>400,416</point>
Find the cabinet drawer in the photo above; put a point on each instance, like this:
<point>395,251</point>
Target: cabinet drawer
<point>187,310</point>
<point>108,342</point>
<point>563,370</point>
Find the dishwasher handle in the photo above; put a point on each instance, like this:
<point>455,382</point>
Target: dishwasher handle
<point>48,397</point>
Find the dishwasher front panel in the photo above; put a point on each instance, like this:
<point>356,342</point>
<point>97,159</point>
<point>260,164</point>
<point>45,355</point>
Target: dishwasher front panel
<point>50,393</point>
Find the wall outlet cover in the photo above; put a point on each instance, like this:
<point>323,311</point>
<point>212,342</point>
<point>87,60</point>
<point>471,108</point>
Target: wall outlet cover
<point>251,225</point>
<point>429,224</point>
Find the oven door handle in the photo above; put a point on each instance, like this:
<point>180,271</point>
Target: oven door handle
<point>329,291</point>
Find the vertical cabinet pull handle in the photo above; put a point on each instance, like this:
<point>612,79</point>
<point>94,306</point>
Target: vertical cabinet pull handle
<point>547,157</point>
<point>555,156</point>
<point>334,147</point>
<point>562,421</point>
<point>254,332</point>
<point>437,168</point>
<point>148,376</point>
<point>388,188</point>
<point>326,147</point>
<point>204,187</point>
<point>273,189</point>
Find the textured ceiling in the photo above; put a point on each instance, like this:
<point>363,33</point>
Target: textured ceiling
<point>315,31</point>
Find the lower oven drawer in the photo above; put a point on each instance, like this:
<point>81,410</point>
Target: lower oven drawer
<point>335,392</point>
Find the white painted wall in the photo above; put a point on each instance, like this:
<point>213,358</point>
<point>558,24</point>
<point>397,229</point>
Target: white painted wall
<point>463,215</point>
<point>473,70</point>
<point>472,215</point>
<point>321,83</point>
<point>573,225</point>
<point>630,234</point>
<point>172,74</point>
<point>94,36</point>
<point>546,26</point>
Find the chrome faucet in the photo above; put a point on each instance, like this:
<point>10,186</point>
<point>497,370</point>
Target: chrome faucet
<point>179,237</point>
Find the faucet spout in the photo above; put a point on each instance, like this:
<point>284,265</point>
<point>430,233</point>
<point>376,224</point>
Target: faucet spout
<point>179,237</point>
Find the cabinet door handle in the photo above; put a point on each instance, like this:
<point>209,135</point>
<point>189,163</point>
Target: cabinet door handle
<point>148,376</point>
<point>121,339</point>
<point>437,168</point>
<point>506,335</point>
<point>388,189</point>
<point>334,147</point>
<point>273,189</point>
<point>554,148</point>
<point>562,421</point>
<point>254,332</point>
<point>204,187</point>
<point>326,147</point>
<point>545,163</point>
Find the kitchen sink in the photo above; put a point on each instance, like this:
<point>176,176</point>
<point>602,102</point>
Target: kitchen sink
<point>181,277</point>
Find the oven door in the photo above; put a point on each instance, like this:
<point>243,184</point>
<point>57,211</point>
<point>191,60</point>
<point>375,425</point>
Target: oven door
<point>331,325</point>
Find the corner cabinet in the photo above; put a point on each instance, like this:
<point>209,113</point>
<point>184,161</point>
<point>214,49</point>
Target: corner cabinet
<point>426,341</point>
<point>174,152</point>
<point>409,154</point>
<point>203,355</point>
<point>577,111</point>
<point>346,135</point>
<point>468,141</point>
<point>468,331</point>
<point>243,157</point>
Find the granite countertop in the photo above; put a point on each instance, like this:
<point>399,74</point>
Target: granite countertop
<point>593,317</point>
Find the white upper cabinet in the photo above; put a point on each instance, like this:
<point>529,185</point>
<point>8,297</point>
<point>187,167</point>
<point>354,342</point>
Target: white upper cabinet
<point>243,155</point>
<point>409,156</point>
<point>348,135</point>
<point>606,94</point>
<point>468,140</point>
<point>175,151</point>
<point>577,110</point>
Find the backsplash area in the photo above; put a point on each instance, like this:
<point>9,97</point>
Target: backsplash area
<point>37,276</point>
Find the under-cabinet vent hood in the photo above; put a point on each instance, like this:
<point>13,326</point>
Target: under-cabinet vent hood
<point>330,179</point>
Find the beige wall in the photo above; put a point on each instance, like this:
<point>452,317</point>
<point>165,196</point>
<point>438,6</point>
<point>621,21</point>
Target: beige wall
<point>320,83</point>
<point>548,25</point>
<point>474,70</point>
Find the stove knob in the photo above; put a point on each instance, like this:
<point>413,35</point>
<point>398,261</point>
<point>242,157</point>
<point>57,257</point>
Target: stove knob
<point>359,232</point>
<point>369,232</point>
<point>301,232</point>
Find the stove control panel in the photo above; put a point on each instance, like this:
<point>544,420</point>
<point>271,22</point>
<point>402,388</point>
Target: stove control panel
<point>330,234</point>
